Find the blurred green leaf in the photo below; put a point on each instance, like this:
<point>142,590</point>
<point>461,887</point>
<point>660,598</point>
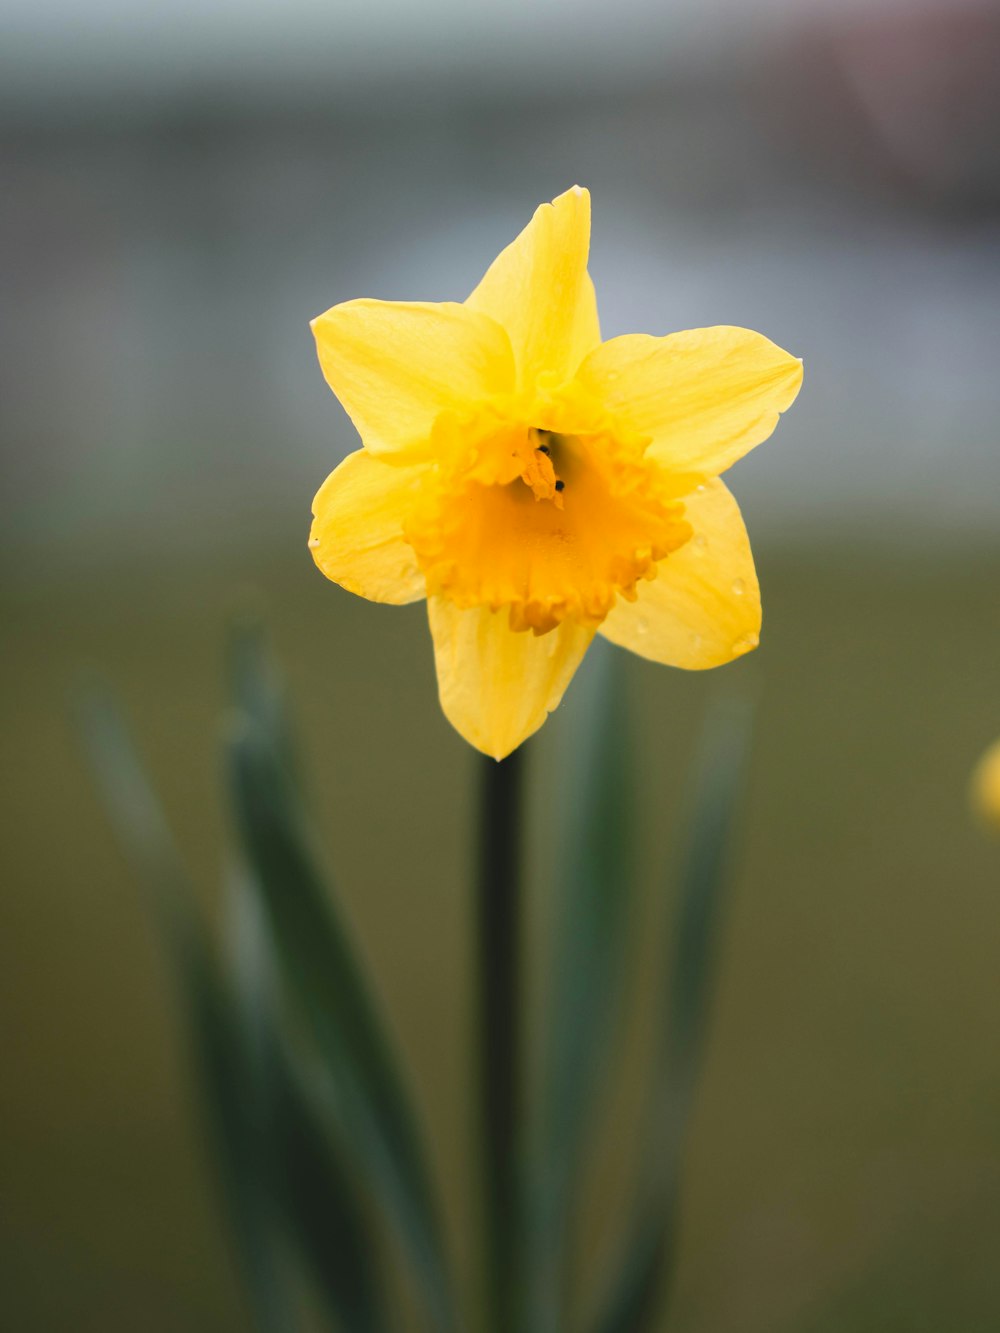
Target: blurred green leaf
<point>278,1169</point>
<point>594,827</point>
<point>646,1265</point>
<point>212,1032</point>
<point>324,1217</point>
<point>310,1177</point>
<point>324,980</point>
<point>367,1091</point>
<point>257,690</point>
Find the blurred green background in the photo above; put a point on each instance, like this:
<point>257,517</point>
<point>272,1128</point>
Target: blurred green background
<point>184,192</point>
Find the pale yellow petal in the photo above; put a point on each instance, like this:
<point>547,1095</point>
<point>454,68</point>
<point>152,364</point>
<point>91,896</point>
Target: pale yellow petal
<point>705,396</point>
<point>498,686</point>
<point>396,366</point>
<point>357,532</point>
<point>540,291</point>
<point>703,607</point>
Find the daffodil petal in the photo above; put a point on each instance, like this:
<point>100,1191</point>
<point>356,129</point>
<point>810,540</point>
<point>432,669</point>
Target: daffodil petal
<point>396,366</point>
<point>497,686</point>
<point>703,607</point>
<point>357,534</point>
<point>985,788</point>
<point>705,397</point>
<point>540,291</point>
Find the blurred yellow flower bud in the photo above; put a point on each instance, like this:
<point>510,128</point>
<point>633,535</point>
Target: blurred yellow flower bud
<point>985,789</point>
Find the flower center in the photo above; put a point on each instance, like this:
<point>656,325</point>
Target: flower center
<point>550,526</point>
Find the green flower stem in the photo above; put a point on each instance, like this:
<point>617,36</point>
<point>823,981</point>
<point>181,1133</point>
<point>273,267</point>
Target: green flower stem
<point>498,1037</point>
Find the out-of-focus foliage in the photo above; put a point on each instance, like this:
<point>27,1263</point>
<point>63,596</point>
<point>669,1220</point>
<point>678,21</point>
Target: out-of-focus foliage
<point>822,1092</point>
<point>310,1122</point>
<point>285,1177</point>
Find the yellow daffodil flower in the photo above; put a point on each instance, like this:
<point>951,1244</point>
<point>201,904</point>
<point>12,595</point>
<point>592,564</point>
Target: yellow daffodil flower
<point>985,789</point>
<point>537,485</point>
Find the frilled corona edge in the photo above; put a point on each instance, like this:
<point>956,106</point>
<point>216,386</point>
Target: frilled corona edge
<point>537,485</point>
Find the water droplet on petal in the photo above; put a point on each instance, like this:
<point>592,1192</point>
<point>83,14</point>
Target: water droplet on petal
<point>744,644</point>
<point>314,541</point>
<point>739,587</point>
<point>700,543</point>
<point>642,625</point>
<point>696,641</point>
<point>700,489</point>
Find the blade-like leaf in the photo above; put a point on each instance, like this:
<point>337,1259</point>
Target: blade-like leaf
<point>277,1168</point>
<point>646,1265</point>
<point>377,1104</point>
<point>257,689</point>
<point>321,974</point>
<point>593,899</point>
<point>307,1169</point>
<point>323,1215</point>
<point>212,1032</point>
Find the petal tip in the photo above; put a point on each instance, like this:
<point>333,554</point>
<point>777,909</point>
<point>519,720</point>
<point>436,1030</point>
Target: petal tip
<point>796,369</point>
<point>574,201</point>
<point>575,194</point>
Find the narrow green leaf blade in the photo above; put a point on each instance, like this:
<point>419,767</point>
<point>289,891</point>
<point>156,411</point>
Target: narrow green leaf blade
<point>320,971</point>
<point>258,691</point>
<point>593,904</point>
<point>239,1154</point>
<point>646,1264</point>
<point>278,1168</point>
<point>309,1174</point>
<point>323,1210</point>
<point>211,1029</point>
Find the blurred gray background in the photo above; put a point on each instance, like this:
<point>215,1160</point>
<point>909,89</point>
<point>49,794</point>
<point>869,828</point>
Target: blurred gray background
<point>184,187</point>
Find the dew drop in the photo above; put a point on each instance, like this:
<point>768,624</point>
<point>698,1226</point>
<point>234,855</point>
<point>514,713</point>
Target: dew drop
<point>739,587</point>
<point>700,489</point>
<point>642,625</point>
<point>700,543</point>
<point>744,644</point>
<point>313,541</point>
